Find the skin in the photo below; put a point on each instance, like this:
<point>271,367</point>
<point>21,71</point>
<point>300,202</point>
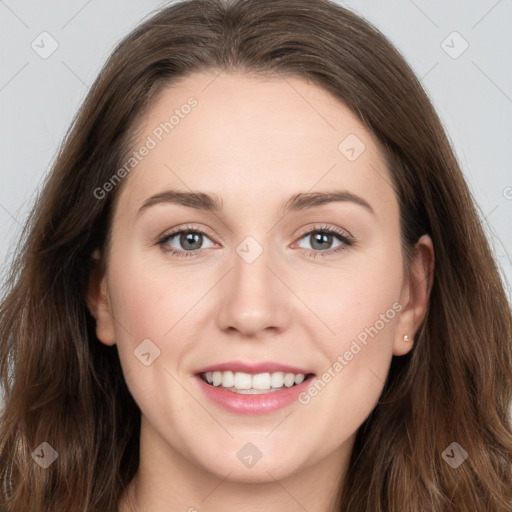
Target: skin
<point>254,142</point>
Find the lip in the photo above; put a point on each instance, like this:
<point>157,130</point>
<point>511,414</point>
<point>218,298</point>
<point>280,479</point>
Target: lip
<point>253,367</point>
<point>253,405</point>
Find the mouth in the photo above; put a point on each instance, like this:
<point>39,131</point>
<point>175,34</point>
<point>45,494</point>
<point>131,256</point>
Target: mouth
<point>253,384</point>
<point>253,387</point>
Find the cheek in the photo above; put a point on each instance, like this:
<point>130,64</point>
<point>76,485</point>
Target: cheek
<point>363,315</point>
<point>360,306</point>
<point>154,310</point>
<point>150,296</point>
<point>158,302</point>
<point>356,298</point>
<point>139,309</point>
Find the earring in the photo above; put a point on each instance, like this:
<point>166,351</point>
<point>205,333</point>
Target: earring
<point>406,338</point>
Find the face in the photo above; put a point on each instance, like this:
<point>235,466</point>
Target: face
<point>288,262</point>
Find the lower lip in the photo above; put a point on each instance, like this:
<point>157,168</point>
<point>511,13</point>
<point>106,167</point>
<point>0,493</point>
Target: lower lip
<point>263,403</point>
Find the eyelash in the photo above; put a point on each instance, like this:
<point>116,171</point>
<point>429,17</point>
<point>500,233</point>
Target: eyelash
<point>345,238</point>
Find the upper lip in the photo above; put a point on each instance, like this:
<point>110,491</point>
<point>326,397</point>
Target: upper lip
<point>253,367</point>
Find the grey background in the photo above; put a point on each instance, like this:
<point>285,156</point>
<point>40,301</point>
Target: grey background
<point>472,93</point>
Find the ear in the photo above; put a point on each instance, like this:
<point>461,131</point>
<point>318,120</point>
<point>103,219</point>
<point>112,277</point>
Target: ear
<point>415,295</point>
<point>98,303</point>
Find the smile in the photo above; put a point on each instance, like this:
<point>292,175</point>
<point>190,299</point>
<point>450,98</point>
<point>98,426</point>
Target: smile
<point>259,392</point>
<point>253,384</point>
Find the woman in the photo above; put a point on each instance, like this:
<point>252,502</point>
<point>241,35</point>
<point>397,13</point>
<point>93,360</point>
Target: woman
<point>255,277</point>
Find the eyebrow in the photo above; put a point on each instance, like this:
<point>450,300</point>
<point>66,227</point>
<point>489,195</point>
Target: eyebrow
<point>212,203</point>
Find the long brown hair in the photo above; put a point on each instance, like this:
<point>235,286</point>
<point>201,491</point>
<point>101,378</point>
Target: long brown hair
<point>62,386</point>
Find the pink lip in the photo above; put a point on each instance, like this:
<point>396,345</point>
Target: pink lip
<point>252,404</point>
<point>253,368</point>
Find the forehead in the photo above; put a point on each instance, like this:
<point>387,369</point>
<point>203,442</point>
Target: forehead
<point>253,140</point>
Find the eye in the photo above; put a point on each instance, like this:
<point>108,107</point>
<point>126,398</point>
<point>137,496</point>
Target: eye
<point>322,240</point>
<point>189,241</point>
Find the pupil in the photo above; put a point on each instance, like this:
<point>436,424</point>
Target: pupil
<point>321,238</point>
<point>191,238</point>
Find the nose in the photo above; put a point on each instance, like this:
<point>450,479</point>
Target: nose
<point>253,298</point>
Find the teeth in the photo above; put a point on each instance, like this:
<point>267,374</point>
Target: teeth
<point>228,379</point>
<point>277,380</point>
<point>260,381</point>
<point>217,378</point>
<point>242,381</point>
<point>253,384</point>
